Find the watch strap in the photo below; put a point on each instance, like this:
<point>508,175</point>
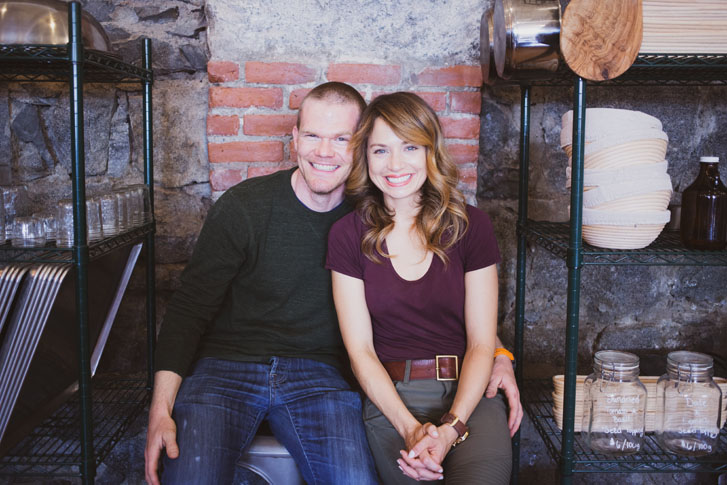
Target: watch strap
<point>458,425</point>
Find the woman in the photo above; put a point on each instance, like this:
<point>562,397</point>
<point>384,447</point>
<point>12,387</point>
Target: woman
<point>415,288</point>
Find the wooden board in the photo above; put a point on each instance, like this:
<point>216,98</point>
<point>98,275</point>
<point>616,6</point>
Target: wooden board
<point>599,40</point>
<point>679,27</point>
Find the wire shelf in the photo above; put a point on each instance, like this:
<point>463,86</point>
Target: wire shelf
<point>53,448</point>
<point>50,63</point>
<point>654,70</point>
<point>666,250</point>
<point>52,254</point>
<point>539,407</point>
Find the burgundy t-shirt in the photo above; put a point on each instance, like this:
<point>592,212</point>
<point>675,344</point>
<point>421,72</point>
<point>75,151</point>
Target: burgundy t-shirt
<point>414,319</point>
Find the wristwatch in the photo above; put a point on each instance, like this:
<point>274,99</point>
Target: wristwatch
<point>462,430</point>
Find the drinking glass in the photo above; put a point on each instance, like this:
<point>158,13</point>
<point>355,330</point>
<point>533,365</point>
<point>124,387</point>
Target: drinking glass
<point>64,220</point>
<point>109,206</point>
<point>141,192</point>
<point>28,232</point>
<point>50,224</point>
<point>122,201</point>
<point>136,205</point>
<point>93,220</point>
<point>10,197</point>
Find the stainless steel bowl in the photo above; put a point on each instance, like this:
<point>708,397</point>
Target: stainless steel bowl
<point>527,38</point>
<point>46,22</point>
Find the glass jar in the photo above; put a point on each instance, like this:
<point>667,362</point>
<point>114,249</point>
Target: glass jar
<point>704,209</point>
<point>688,405</point>
<point>614,404</point>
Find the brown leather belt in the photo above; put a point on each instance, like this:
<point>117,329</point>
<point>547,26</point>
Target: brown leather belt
<point>441,368</point>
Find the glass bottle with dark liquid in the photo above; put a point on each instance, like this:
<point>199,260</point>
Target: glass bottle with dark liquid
<point>703,223</point>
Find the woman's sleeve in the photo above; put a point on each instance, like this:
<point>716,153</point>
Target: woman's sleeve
<point>344,248</point>
<point>479,244</point>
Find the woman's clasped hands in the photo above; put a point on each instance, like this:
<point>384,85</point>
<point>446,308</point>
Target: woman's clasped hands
<point>427,445</point>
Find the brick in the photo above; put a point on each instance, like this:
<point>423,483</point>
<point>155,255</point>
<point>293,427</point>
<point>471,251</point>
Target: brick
<point>296,97</point>
<point>293,154</point>
<point>437,100</point>
<point>468,128</point>
<point>462,153</point>
<point>222,71</point>
<point>268,168</point>
<point>268,125</point>
<point>225,178</point>
<point>278,73</point>
<point>246,151</point>
<point>223,125</point>
<point>468,177</point>
<point>450,76</point>
<point>364,73</point>
<point>466,102</point>
<point>245,97</point>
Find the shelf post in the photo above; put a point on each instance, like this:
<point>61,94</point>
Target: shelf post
<point>80,245</point>
<point>521,258</point>
<point>574,262</point>
<point>149,181</point>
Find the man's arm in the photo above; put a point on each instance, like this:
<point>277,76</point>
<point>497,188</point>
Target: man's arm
<point>503,377</point>
<point>162,431</point>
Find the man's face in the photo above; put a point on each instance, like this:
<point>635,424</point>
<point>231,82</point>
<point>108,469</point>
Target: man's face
<point>324,160</point>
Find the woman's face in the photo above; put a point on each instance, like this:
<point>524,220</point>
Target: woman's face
<point>397,167</point>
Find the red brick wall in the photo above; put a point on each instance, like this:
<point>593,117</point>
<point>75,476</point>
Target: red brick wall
<point>253,107</point>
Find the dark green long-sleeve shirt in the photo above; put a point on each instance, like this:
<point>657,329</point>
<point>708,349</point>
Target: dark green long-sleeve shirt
<point>255,286</point>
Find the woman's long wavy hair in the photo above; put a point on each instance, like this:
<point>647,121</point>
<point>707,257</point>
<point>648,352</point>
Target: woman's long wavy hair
<point>442,218</point>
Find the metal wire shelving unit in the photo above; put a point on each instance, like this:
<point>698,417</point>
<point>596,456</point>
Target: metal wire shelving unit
<point>76,438</point>
<point>653,459</point>
<point>565,242</point>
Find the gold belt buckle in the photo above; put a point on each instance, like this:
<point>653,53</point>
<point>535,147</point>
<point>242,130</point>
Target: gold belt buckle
<point>456,367</point>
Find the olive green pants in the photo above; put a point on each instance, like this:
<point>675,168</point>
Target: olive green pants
<point>485,457</point>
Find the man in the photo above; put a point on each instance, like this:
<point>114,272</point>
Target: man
<point>252,332</point>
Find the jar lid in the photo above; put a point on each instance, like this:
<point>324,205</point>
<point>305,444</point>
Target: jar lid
<point>709,159</point>
<point>689,362</point>
<point>615,361</point>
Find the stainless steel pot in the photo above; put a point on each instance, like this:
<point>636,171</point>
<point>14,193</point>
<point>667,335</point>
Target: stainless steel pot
<point>526,38</point>
<point>487,52</point>
<point>46,22</point>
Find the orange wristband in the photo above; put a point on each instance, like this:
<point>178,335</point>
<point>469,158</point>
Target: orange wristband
<point>504,351</point>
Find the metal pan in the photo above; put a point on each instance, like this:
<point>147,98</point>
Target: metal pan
<point>527,38</point>
<point>487,49</point>
<point>46,22</point>
<point>111,316</point>
<point>14,340</point>
<point>13,284</point>
<point>50,279</point>
<point>11,281</point>
<point>23,326</point>
<point>54,366</point>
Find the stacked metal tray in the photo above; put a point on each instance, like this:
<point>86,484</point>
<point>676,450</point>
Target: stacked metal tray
<point>38,364</point>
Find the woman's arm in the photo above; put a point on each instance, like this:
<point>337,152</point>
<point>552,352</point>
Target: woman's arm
<point>355,323</point>
<point>481,326</point>
<point>480,314</point>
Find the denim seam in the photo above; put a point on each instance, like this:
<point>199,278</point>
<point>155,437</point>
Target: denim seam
<point>301,443</point>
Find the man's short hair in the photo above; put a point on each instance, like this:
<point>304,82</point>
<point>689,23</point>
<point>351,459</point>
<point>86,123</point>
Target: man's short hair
<point>336,92</point>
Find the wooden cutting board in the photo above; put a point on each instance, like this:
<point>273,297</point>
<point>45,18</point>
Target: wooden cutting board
<point>599,40</point>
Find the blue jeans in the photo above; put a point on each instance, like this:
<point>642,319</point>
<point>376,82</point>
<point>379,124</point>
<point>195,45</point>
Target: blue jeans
<point>311,410</point>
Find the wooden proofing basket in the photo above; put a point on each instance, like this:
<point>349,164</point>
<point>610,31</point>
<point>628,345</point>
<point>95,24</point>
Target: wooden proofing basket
<point>648,381</point>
